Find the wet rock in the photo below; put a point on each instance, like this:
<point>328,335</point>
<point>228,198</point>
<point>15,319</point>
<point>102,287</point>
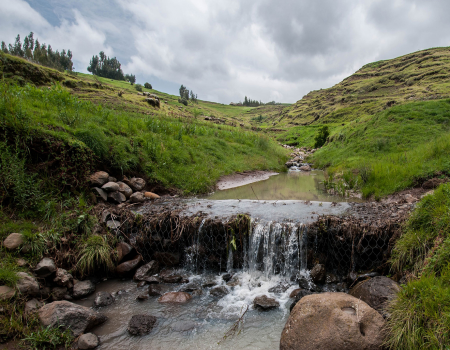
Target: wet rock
<point>175,297</point>
<point>167,259</point>
<point>183,326</point>
<point>305,168</point>
<point>153,280</point>
<point>137,197</point>
<point>190,287</point>
<point>63,278</point>
<point>99,178</point>
<point>136,183</point>
<point>227,277</point>
<point>376,292</point>
<point>197,293</point>
<point>295,292</point>
<point>125,251</point>
<point>27,284</point>
<point>146,271</point>
<point>141,284</point>
<point>70,316</point>
<point>58,293</point>
<point>304,283</point>
<point>32,306</point>
<point>88,341</point>
<point>234,282</point>
<point>103,299</point>
<point>280,288</point>
<point>110,187</point>
<point>116,197</point>
<point>265,303</point>
<point>219,291</point>
<point>6,292</point>
<point>127,268</point>
<point>209,282</point>
<point>125,189</point>
<point>141,324</point>
<point>300,294</point>
<point>172,279</point>
<point>331,278</point>
<point>100,193</point>
<point>341,287</point>
<point>83,289</point>
<point>332,321</point>
<point>45,268</point>
<point>156,290</point>
<point>318,273</point>
<point>151,195</point>
<point>13,241</point>
<point>142,296</point>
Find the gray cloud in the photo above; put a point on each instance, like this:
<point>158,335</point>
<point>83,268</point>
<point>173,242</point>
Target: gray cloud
<point>264,49</point>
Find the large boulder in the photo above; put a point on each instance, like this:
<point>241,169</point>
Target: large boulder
<point>332,321</point>
<point>298,296</point>
<point>376,292</point>
<point>127,268</point>
<point>87,341</point>
<point>45,268</point>
<point>99,178</point>
<point>83,289</point>
<point>175,297</point>
<point>141,324</point>
<point>13,241</point>
<point>125,189</point>
<point>146,271</point>
<point>110,187</point>
<point>103,299</point>
<point>71,316</point>
<point>27,284</point>
<point>318,273</point>
<point>265,303</point>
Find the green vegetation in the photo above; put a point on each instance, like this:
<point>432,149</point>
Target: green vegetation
<point>321,136</point>
<point>106,67</point>
<point>421,312</point>
<point>49,338</point>
<point>95,254</point>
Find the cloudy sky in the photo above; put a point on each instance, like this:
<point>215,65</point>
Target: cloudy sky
<point>224,50</point>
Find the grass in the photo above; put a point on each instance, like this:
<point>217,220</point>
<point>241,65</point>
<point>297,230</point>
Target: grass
<point>95,254</point>
<point>48,338</point>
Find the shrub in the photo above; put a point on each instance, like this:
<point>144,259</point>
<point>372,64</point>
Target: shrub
<point>183,101</point>
<point>321,136</point>
<point>148,86</point>
<point>95,254</point>
<point>138,87</point>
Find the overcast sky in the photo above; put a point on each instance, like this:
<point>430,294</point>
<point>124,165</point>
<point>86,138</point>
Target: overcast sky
<point>223,50</point>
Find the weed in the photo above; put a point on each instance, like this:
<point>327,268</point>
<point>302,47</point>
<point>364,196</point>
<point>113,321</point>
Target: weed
<point>48,338</point>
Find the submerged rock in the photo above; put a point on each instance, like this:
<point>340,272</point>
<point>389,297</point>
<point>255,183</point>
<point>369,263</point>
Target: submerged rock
<point>332,321</point>
<point>103,299</point>
<point>175,297</point>
<point>280,288</point>
<point>265,303</point>
<point>141,324</point>
<point>156,290</point>
<point>219,291</point>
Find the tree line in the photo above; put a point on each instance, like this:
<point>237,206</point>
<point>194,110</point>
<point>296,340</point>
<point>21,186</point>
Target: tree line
<point>34,51</point>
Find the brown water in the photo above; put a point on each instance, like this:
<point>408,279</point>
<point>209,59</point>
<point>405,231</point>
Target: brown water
<point>293,185</point>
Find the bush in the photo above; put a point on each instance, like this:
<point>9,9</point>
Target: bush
<point>321,137</point>
<point>148,86</point>
<point>183,101</point>
<point>138,87</point>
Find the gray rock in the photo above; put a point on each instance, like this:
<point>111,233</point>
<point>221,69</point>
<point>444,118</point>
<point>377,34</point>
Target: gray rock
<point>27,284</point>
<point>21,262</point>
<point>103,299</point>
<point>318,273</point>
<point>331,278</point>
<point>110,187</point>
<point>190,287</point>
<point>142,296</point>
<point>137,184</point>
<point>99,178</point>
<point>83,289</point>
<point>87,341</point>
<point>227,277</point>
<point>113,224</point>
<point>172,279</point>
<point>280,288</point>
<point>125,189</point>
<point>265,303</point>
<point>146,271</point>
<point>32,306</point>
<point>137,197</point>
<point>63,278</point>
<point>141,324</point>
<point>219,291</point>
<point>6,292</point>
<point>116,197</point>
<point>112,179</point>
<point>45,268</point>
<point>106,216</point>
<point>100,193</point>
<point>13,241</point>
<point>305,168</point>
<point>71,316</point>
<point>125,251</point>
<point>183,326</point>
<point>156,290</point>
<point>127,268</point>
<point>59,293</point>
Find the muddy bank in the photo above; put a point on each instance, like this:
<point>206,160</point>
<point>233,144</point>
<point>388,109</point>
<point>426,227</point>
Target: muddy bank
<point>243,178</point>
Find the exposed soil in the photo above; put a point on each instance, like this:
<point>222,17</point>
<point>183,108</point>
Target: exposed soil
<point>243,178</point>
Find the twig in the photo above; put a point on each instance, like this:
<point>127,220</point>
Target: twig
<point>254,193</point>
<point>236,327</point>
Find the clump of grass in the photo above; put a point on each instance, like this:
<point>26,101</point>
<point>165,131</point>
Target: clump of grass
<point>95,254</point>
<point>8,272</point>
<point>48,338</point>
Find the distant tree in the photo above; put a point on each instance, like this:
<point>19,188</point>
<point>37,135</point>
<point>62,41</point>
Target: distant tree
<point>4,47</point>
<point>183,101</point>
<point>106,67</point>
<point>130,78</point>
<point>138,87</point>
<point>148,86</point>
<point>193,97</point>
<point>184,93</point>
<point>321,136</point>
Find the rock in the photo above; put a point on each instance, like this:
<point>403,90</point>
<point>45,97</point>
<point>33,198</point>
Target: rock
<point>219,291</point>
<point>110,187</point>
<point>83,289</point>
<point>332,321</point>
<point>295,292</point>
<point>289,164</point>
<point>227,277</point>
<point>183,326</point>
<point>21,262</point>
<point>71,316</point>
<point>6,292</point>
<point>58,293</point>
<point>32,306</point>
<point>127,268</point>
<point>125,189</point>
<point>153,280</point>
<point>146,271</point>
<point>125,251</point>
<point>190,287</point>
<point>175,297</point>
<point>87,341</point>
<point>116,197</point>
<point>142,297</point>
<point>376,292</point>
<point>265,303</point>
<point>136,183</point>
<point>112,179</point>
<point>13,241</point>
<point>304,283</point>
<point>100,193</point>
<point>45,268</point>
<point>301,293</point>
<point>156,290</point>
<point>113,224</point>
<point>167,259</point>
<point>410,199</point>
<point>151,195</point>
<point>99,178</point>
<point>141,324</point>
<point>172,279</point>
<point>209,282</point>
<point>427,194</point>
<point>318,273</point>
<point>137,197</point>
<point>331,278</point>
<point>63,278</point>
<point>305,168</point>
<point>27,284</point>
<point>280,288</point>
<point>46,292</point>
<point>103,299</point>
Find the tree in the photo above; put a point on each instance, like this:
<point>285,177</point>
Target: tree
<point>4,47</point>
<point>321,136</point>
<point>148,86</point>
<point>106,67</point>
<point>184,93</point>
<point>193,97</point>
<point>130,78</point>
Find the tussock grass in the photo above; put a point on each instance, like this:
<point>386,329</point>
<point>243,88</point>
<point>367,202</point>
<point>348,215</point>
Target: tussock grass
<point>95,254</point>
